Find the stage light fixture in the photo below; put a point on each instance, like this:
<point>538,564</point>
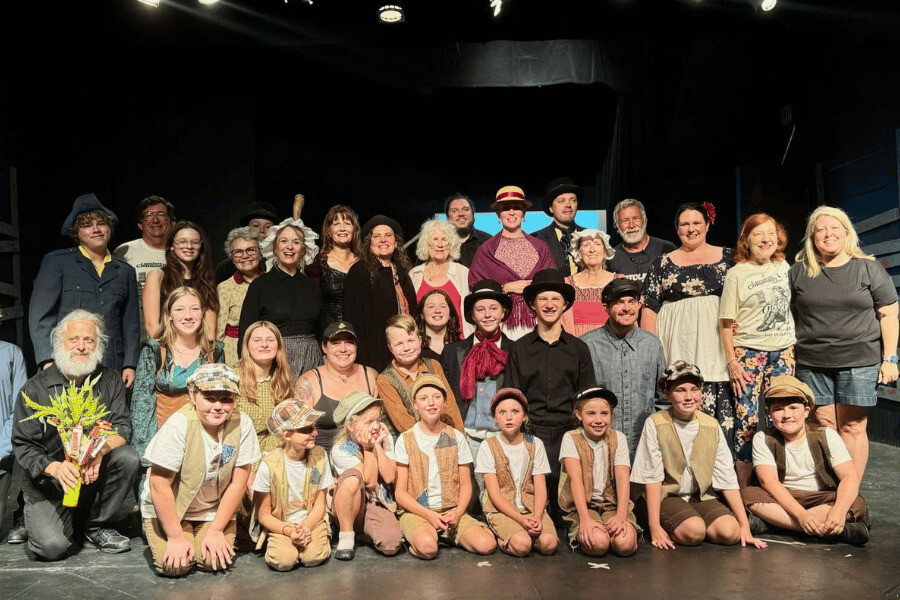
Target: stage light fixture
<point>153,3</point>
<point>497,5</point>
<point>391,13</point>
<point>207,2</point>
<point>768,5</point>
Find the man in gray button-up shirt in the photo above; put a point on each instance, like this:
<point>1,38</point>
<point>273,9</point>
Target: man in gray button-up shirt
<point>627,359</point>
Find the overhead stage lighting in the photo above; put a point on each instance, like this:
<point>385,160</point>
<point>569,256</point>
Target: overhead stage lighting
<point>768,5</point>
<point>391,13</point>
<point>153,3</point>
<point>208,1</point>
<point>497,5</point>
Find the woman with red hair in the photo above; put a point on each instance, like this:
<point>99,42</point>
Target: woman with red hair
<point>757,297</point>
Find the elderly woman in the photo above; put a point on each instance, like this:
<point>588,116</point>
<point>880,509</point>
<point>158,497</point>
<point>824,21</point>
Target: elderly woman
<point>287,298</point>
<point>845,307</point>
<point>167,360</point>
<point>511,258</point>
<point>242,245</point>
<point>340,251</point>
<point>265,379</point>
<point>439,246</point>
<point>378,287</point>
<point>590,250</point>
<point>323,387</point>
<point>438,323</point>
<point>756,297</point>
<point>187,264</point>
<point>681,306</point>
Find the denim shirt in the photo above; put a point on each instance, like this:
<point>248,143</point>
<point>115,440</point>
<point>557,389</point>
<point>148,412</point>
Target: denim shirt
<point>479,416</point>
<point>12,378</point>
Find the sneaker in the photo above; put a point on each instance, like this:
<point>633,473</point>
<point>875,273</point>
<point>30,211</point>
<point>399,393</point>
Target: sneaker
<point>345,554</point>
<point>757,525</point>
<point>18,534</point>
<point>108,540</point>
<point>855,534</point>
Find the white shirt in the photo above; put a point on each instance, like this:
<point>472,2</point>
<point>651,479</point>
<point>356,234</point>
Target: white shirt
<point>799,468</point>
<point>296,509</point>
<point>601,457</point>
<point>426,444</point>
<point>517,455</point>
<point>166,450</point>
<point>648,461</point>
<point>342,458</point>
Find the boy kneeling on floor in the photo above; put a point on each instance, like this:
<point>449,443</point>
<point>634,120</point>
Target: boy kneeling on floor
<point>199,464</point>
<point>808,481</point>
<point>289,492</point>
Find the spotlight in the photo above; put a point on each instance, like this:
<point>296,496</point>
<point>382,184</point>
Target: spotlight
<point>391,13</point>
<point>768,5</point>
<point>497,5</point>
<point>208,1</point>
<point>153,3</point>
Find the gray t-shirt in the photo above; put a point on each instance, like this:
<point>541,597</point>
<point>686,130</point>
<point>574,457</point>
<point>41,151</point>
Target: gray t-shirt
<point>634,265</point>
<point>835,313</point>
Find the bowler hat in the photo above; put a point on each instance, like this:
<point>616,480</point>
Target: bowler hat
<point>549,279</point>
<point>259,210</point>
<point>381,220</point>
<point>561,185</point>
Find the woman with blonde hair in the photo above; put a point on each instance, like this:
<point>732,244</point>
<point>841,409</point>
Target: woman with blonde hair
<point>439,246</point>
<point>845,308</point>
<point>265,379</point>
<point>182,343</point>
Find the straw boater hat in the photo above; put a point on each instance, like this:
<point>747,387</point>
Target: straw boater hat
<point>787,386</point>
<point>486,289</point>
<point>549,279</point>
<point>561,185</point>
<point>509,193</point>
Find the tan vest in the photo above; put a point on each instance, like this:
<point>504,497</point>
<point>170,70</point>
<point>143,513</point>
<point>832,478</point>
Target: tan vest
<point>586,457</point>
<point>703,453</point>
<point>447,454</point>
<point>193,467</point>
<point>505,477</point>
<point>278,487</point>
<point>818,447</point>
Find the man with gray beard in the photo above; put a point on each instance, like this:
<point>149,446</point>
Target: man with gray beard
<point>638,250</point>
<point>78,343</point>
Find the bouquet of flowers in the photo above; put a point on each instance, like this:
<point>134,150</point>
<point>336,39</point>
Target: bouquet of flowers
<point>78,417</point>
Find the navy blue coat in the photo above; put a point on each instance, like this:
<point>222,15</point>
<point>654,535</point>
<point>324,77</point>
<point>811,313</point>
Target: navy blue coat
<point>67,281</point>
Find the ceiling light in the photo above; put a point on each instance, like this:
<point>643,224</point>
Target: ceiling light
<point>497,5</point>
<point>768,5</point>
<point>153,3</point>
<point>391,13</point>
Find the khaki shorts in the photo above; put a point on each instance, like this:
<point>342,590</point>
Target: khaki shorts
<point>601,512</point>
<point>194,531</point>
<point>504,527</point>
<point>409,522</point>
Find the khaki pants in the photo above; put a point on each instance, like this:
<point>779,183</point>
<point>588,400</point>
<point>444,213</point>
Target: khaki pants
<point>283,555</point>
<point>194,531</point>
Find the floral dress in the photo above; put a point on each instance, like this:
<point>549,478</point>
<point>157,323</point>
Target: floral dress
<point>687,301</point>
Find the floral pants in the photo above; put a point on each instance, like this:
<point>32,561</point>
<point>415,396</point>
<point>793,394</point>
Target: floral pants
<point>764,366</point>
<point>717,402</point>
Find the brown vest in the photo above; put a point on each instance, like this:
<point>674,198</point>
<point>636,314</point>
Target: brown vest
<point>505,479</point>
<point>447,454</point>
<point>193,467</point>
<point>586,457</point>
<point>399,384</point>
<point>703,453</point>
<point>818,447</point>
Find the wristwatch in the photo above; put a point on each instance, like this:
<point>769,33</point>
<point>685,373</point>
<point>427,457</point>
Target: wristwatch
<point>891,359</point>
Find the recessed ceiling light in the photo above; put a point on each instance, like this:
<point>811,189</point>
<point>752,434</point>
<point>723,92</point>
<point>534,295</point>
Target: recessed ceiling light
<point>391,13</point>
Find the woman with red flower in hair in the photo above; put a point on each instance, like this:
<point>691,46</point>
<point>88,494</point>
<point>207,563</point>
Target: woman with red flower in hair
<point>681,306</point>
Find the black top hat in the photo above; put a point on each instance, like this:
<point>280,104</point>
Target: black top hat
<point>380,220</point>
<point>486,289</point>
<point>561,185</point>
<point>549,279</point>
<point>259,210</point>
<point>619,288</point>
<point>597,392</point>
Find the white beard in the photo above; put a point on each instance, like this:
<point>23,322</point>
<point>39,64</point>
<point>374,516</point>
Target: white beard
<point>634,238</point>
<point>73,369</point>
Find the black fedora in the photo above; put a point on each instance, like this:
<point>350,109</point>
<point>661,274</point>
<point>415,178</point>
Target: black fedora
<point>259,210</point>
<point>486,289</point>
<point>549,279</point>
<point>561,185</point>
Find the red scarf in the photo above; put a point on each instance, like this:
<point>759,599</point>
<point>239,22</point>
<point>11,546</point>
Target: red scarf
<point>486,359</point>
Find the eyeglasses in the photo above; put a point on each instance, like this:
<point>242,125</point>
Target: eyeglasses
<point>305,430</point>
<point>188,243</point>
<point>245,252</point>
<point>149,216</point>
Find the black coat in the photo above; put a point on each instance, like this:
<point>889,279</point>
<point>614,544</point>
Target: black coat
<point>548,236</point>
<point>452,360</point>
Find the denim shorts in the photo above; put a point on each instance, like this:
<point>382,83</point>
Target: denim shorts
<point>855,386</point>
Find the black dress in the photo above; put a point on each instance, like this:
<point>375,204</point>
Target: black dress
<point>332,283</point>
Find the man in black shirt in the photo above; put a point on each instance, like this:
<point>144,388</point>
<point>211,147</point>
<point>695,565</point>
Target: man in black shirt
<point>550,366</point>
<point>461,213</point>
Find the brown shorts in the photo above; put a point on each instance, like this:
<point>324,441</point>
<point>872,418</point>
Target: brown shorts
<point>374,520</point>
<point>673,511</point>
<point>504,527</point>
<point>409,522</point>
<point>858,511</point>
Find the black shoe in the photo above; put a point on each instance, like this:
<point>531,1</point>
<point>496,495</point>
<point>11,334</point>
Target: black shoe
<point>18,534</point>
<point>757,525</point>
<point>345,554</point>
<point>108,540</point>
<point>855,534</point>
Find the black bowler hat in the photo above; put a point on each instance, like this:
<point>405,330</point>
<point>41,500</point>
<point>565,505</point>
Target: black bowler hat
<point>619,288</point>
<point>486,289</point>
<point>380,220</point>
<point>549,279</point>
<point>561,185</point>
<point>259,210</point>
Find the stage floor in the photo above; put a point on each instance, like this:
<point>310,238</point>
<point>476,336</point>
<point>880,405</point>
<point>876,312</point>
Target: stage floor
<point>794,568</point>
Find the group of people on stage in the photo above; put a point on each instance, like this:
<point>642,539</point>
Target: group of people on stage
<point>320,386</point>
